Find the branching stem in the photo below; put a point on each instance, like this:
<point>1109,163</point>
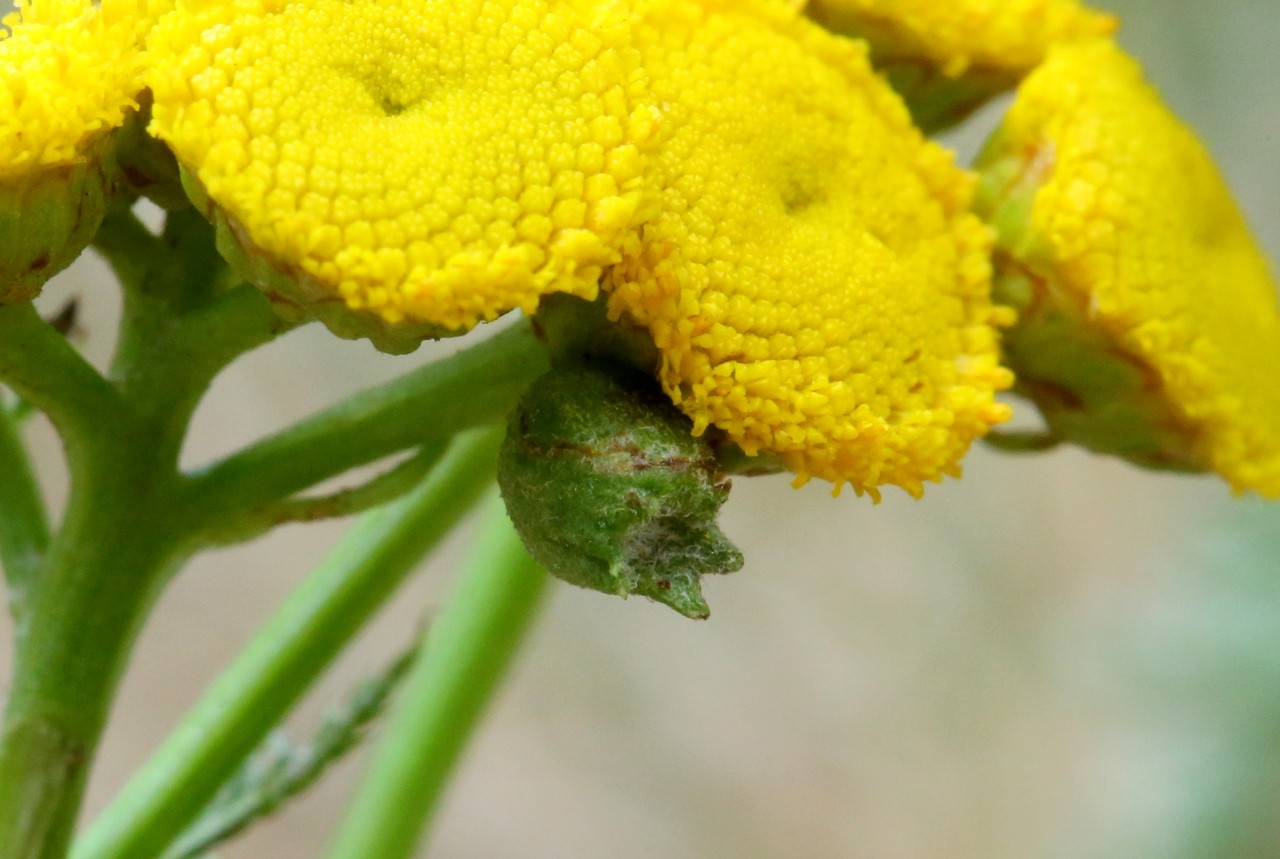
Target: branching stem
<point>285,658</point>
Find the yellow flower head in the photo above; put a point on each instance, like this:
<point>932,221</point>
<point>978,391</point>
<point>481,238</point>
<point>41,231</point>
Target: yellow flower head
<point>814,281</point>
<point>1150,326</point>
<point>68,73</point>
<point>425,161</point>
<point>948,56</point>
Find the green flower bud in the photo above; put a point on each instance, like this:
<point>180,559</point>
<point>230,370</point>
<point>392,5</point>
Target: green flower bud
<point>610,490</point>
<point>47,217</point>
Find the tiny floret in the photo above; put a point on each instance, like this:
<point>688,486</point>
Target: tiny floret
<point>1149,326</point>
<point>814,281</point>
<point>421,162</point>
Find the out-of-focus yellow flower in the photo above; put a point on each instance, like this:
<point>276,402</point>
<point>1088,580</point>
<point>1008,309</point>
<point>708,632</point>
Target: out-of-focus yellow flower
<point>814,281</point>
<point>1005,36</point>
<point>69,72</point>
<point>947,57</point>
<point>1149,322</point>
<point>424,162</point>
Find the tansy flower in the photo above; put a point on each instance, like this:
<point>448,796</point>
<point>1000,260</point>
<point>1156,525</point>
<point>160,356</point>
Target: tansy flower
<point>69,74</point>
<point>433,162</point>
<point>813,279</point>
<point>1149,325</point>
<point>948,57</point>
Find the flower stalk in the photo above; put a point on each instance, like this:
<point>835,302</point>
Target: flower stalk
<point>124,529</point>
<point>282,662</point>
<point>102,575</point>
<point>466,652</point>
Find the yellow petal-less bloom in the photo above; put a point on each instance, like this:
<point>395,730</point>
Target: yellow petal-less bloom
<point>435,161</point>
<point>814,282</point>
<point>947,56</point>
<point>69,72</point>
<point>1116,226</point>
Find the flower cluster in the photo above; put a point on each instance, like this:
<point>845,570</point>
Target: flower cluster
<point>742,183</point>
<point>745,181</point>
<point>948,58</point>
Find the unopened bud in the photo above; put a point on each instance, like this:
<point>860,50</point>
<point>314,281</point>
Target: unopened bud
<point>610,490</point>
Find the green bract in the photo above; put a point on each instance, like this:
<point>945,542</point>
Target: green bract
<point>46,220</point>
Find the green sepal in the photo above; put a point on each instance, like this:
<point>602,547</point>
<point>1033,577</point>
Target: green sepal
<point>937,101</point>
<point>296,295</point>
<point>610,490</point>
<point>47,219</point>
<point>578,331</point>
<point>146,165</point>
<point>1089,389</point>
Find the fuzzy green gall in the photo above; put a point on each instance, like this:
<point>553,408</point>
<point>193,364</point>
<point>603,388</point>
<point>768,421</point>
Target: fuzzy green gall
<point>610,491</point>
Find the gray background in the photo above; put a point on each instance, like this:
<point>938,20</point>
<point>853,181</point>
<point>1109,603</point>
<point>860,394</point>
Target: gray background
<point>1057,656</point>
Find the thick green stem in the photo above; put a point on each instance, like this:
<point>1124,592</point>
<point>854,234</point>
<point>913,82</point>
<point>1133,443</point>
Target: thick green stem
<point>126,245</point>
<point>24,525</point>
<point>477,386</point>
<point>115,546</point>
<point>285,658</point>
<point>125,527</point>
<point>466,652</point>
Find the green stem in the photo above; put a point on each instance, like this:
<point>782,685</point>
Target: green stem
<point>377,491</point>
<point>477,386</point>
<point>285,658</point>
<point>42,367</point>
<point>126,245</point>
<point>1014,441</point>
<point>466,652</point>
<point>125,527</point>
<point>24,525</point>
<point>102,573</point>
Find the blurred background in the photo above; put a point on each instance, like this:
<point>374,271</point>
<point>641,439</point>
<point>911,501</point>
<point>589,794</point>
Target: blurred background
<point>1057,656</point>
